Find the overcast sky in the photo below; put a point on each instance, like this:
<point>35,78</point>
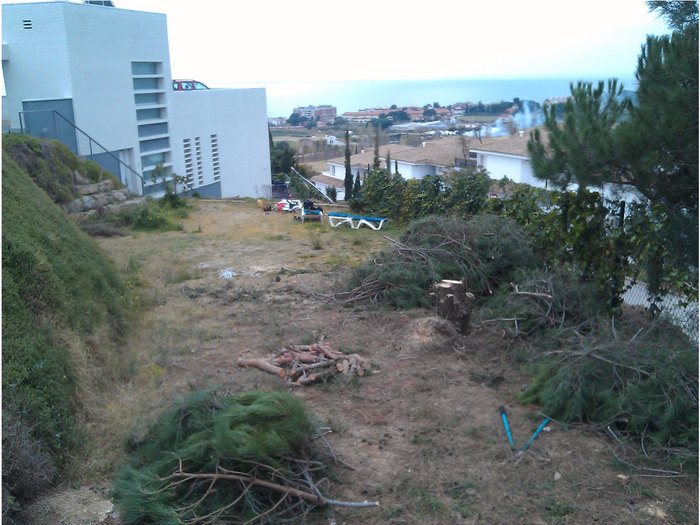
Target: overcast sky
<point>222,41</point>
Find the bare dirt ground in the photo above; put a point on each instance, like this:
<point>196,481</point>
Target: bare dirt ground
<point>422,432</point>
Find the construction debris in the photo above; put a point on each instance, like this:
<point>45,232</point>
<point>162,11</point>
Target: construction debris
<point>301,365</point>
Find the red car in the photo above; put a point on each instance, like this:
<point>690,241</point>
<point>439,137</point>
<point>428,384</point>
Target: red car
<point>187,85</point>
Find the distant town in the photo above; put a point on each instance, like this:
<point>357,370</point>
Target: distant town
<point>457,117</point>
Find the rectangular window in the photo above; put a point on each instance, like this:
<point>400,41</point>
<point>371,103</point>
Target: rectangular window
<point>152,160</point>
<point>148,130</point>
<point>155,144</point>
<point>148,114</point>
<point>146,83</point>
<point>144,68</point>
<point>147,98</point>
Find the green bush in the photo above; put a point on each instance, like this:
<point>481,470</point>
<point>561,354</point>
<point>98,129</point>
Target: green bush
<point>153,218</point>
<point>266,436</point>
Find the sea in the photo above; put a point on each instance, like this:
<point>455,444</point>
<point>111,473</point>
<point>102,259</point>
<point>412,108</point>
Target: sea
<point>353,95</point>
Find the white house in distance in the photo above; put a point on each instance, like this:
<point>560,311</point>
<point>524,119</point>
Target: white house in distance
<point>500,156</point>
<point>79,70</point>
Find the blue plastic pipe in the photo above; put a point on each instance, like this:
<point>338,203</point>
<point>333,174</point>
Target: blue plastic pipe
<point>539,429</point>
<point>505,424</point>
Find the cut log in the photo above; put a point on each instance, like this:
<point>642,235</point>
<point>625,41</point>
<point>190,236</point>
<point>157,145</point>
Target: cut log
<point>454,303</point>
<point>262,364</point>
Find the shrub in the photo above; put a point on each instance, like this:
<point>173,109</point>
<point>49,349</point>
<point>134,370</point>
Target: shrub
<point>27,469</point>
<point>153,218</point>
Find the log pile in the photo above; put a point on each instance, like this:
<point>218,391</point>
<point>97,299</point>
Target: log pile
<point>301,365</point>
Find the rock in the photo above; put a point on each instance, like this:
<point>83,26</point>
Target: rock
<point>76,206</point>
<point>83,506</point>
<point>557,476</point>
<point>105,185</point>
<point>87,189</point>
<point>79,178</point>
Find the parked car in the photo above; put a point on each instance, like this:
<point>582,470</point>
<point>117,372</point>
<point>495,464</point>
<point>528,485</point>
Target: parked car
<point>187,85</point>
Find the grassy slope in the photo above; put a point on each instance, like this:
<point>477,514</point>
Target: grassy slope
<point>56,284</point>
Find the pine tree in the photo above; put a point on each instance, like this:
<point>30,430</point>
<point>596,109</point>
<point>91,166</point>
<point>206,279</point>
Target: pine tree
<point>357,188</point>
<point>388,162</point>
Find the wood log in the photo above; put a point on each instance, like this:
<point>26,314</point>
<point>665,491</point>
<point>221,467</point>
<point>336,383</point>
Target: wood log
<point>305,380</point>
<point>326,350</point>
<point>454,303</point>
<point>262,364</point>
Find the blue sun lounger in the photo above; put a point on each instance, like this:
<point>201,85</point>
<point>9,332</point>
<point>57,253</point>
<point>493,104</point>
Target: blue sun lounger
<point>355,221</point>
<point>311,214</point>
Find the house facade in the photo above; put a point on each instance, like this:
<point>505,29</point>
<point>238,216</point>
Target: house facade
<point>98,78</point>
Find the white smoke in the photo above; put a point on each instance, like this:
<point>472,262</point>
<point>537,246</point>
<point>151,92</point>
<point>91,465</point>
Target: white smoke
<point>529,116</point>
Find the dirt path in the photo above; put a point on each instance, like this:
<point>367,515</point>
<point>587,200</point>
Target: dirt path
<point>422,432</point>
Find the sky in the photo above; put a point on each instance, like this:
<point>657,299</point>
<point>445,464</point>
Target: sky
<point>224,42</point>
<point>316,40</point>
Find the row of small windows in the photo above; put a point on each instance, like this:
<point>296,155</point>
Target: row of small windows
<point>216,168</point>
<point>192,149</point>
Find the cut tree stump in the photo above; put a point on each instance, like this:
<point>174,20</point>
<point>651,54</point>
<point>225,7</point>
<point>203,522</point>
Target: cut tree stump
<point>454,303</point>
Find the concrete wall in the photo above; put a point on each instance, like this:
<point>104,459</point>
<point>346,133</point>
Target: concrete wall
<point>238,118</point>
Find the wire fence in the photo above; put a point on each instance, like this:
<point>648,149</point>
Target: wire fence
<point>640,297</point>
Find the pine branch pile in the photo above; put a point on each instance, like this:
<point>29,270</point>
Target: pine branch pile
<point>302,365</point>
<point>247,458</point>
<point>644,387</point>
<point>484,251</point>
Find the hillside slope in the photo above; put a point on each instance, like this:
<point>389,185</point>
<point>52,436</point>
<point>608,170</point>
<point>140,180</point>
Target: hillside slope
<point>58,290</point>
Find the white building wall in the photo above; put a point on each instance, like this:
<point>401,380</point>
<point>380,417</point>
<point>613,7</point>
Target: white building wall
<point>27,68</point>
<point>103,42</point>
<point>516,168</point>
<point>85,53</point>
<point>238,118</point>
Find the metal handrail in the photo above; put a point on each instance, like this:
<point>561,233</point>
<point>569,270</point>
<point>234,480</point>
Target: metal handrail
<point>90,139</point>
<point>312,185</point>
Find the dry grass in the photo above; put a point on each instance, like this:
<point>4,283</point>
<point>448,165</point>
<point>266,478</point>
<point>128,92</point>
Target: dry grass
<point>422,431</point>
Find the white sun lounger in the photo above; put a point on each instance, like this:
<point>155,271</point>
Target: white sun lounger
<point>355,221</point>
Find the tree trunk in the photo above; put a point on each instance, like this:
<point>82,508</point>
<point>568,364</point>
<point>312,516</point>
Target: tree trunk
<point>454,303</point>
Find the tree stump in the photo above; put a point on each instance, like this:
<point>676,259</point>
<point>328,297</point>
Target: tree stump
<point>454,303</point>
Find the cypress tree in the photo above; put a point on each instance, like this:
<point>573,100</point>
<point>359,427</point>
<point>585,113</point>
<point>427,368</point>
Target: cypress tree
<point>348,167</point>
<point>376,148</point>
<point>357,188</point>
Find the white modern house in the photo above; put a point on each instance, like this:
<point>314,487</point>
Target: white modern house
<point>506,157</point>
<point>98,78</point>
<point>413,162</point>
